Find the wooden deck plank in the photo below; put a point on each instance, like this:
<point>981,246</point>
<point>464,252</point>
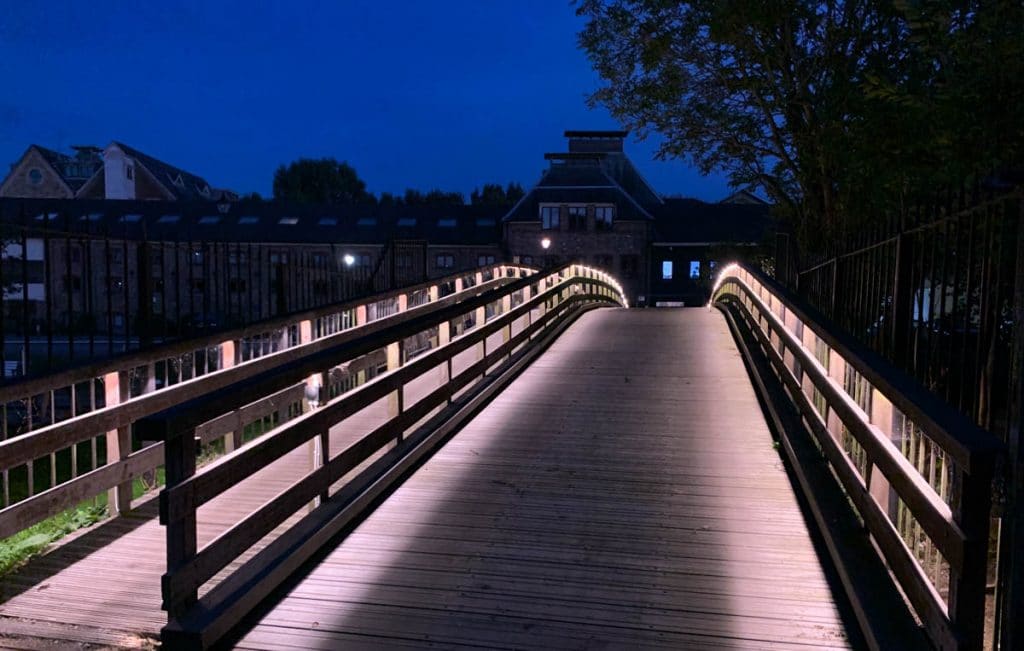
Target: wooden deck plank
<point>623,492</point>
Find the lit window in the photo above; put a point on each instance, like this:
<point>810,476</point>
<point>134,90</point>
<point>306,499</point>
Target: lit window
<point>549,217</point>
<point>666,270</point>
<point>694,269</point>
<point>288,221</point>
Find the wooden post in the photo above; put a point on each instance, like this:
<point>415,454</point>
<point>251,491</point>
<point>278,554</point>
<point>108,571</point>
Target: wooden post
<point>444,336</point>
<point>967,588</point>
<point>119,442</point>
<point>394,353</point>
<point>180,460</point>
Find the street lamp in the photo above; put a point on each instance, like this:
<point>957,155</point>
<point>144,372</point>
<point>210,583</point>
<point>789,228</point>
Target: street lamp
<point>545,243</point>
<point>349,259</point>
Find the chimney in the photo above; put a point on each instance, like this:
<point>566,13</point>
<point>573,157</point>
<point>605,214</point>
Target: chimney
<point>593,142</point>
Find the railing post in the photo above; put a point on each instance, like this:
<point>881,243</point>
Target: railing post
<point>1010,589</point>
<point>394,352</point>
<point>444,336</point>
<point>180,465</point>
<point>119,442</point>
<point>967,589</point>
<point>902,301</point>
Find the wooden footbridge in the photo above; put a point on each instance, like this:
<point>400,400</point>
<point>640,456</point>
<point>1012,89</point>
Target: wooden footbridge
<point>508,459</point>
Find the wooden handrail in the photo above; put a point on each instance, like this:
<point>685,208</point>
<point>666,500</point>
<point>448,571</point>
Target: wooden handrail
<point>957,529</point>
<point>118,415</point>
<point>553,296</point>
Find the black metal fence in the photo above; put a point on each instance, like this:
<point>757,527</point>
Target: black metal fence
<point>78,286</point>
<point>940,293</point>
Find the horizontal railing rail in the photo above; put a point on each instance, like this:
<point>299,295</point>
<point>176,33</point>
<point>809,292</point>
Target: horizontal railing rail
<point>75,418</point>
<point>505,321</point>
<point>918,473</point>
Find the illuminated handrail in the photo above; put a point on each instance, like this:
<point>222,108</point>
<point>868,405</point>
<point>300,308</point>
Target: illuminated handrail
<point>523,314</point>
<point>918,473</point>
<point>114,403</point>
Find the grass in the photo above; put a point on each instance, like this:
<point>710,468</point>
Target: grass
<point>16,550</point>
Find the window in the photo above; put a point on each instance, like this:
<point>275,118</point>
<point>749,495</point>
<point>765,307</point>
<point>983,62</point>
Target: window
<point>485,221</point>
<point>129,172</point>
<point>288,221</point>
<point>445,261</point>
<point>694,269</point>
<point>406,221</point>
<point>630,264</point>
<point>35,176</point>
<point>603,217</point>
<point>577,218</point>
<point>327,221</point>
<point>366,221</point>
<point>526,259</point>
<point>248,219</point>
<point>209,219</point>
<point>446,222</point>
<point>549,217</point>
<point>484,260</point>
<point>168,219</point>
<point>131,219</point>
<point>666,270</point>
<point>363,259</point>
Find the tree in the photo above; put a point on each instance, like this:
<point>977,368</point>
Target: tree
<point>320,181</point>
<point>836,109</point>
<point>432,198</point>
<point>492,194</point>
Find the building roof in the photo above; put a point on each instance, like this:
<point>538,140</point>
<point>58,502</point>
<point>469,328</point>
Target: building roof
<point>255,221</point>
<point>589,177</point>
<point>73,170</point>
<point>183,185</point>
<point>691,221</point>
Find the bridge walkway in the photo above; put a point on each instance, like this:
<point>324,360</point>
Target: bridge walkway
<point>623,492</point>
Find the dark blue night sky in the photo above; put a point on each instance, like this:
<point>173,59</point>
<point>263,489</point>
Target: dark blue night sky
<point>447,94</point>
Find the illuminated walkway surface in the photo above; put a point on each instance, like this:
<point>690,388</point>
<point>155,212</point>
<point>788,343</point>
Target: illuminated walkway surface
<point>622,493</point>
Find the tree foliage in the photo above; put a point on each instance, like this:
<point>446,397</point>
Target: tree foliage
<point>322,180</point>
<point>492,194</point>
<point>837,109</point>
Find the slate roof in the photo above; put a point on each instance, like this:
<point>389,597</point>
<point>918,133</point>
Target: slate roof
<point>248,221</point>
<point>695,221</point>
<point>589,178</point>
<point>67,167</point>
<point>192,186</point>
